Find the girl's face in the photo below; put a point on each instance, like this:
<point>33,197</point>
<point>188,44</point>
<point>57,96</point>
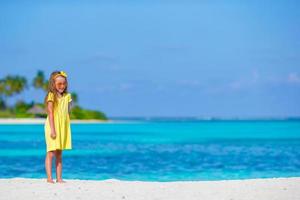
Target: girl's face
<point>60,84</point>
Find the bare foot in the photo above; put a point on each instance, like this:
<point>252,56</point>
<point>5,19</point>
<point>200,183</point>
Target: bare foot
<point>50,181</point>
<point>60,181</point>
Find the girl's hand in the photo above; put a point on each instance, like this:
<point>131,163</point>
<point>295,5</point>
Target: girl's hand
<point>53,134</point>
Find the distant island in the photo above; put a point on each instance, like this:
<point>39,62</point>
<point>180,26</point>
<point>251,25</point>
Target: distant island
<point>13,85</point>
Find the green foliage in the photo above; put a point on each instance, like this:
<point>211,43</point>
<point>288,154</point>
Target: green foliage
<point>80,113</point>
<point>42,105</point>
<point>11,85</point>
<point>2,104</point>
<point>24,115</point>
<point>22,107</point>
<point>74,97</point>
<point>39,81</point>
<point>6,114</point>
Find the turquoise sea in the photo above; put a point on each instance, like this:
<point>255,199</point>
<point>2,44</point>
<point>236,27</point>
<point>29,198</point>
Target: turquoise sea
<point>160,150</point>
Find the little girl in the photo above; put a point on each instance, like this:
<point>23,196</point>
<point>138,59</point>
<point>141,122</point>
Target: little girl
<point>57,125</point>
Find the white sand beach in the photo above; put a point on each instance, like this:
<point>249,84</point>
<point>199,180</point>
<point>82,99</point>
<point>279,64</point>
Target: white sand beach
<point>112,189</point>
<point>42,121</point>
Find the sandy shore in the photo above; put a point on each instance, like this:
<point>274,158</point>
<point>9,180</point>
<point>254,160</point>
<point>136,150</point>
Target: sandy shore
<point>254,189</point>
<point>42,121</point>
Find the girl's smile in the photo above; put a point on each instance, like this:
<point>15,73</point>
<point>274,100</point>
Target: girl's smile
<point>60,84</point>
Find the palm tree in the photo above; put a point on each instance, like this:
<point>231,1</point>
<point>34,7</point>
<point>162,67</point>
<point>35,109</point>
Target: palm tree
<point>2,89</point>
<point>74,97</point>
<point>11,85</point>
<point>39,81</point>
<point>14,85</point>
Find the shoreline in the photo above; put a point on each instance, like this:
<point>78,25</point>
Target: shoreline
<point>4,121</point>
<point>16,121</point>
<point>247,189</point>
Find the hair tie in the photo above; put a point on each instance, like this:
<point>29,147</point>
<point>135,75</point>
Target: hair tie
<point>61,73</point>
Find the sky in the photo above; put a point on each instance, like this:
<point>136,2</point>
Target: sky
<point>160,58</point>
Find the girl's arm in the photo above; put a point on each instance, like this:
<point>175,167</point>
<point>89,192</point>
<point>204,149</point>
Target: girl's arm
<point>51,118</point>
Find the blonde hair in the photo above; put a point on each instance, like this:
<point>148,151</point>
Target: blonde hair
<point>51,87</point>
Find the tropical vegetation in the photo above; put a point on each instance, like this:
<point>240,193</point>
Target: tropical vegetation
<point>13,85</point>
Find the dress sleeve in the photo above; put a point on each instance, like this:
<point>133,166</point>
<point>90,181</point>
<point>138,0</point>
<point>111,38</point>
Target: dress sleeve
<point>50,97</point>
<point>69,97</point>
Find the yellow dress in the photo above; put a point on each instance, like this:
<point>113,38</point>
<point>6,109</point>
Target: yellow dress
<point>61,123</point>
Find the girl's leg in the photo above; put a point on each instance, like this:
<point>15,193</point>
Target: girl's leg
<point>48,166</point>
<point>59,166</point>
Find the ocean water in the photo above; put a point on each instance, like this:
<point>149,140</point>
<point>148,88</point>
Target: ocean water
<point>160,150</point>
